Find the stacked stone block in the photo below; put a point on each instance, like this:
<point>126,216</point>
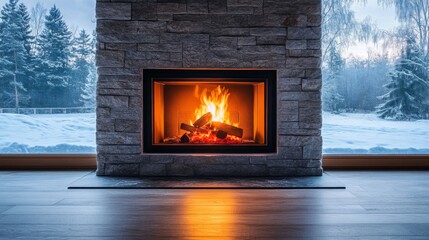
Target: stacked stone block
<point>277,34</point>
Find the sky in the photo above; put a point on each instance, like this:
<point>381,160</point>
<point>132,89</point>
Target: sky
<point>77,13</point>
<point>383,17</point>
<point>80,14</point>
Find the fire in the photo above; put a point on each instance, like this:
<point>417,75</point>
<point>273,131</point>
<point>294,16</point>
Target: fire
<point>215,102</point>
<point>211,138</point>
<point>212,123</point>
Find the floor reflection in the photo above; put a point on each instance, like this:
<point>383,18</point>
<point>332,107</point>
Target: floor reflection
<point>209,213</point>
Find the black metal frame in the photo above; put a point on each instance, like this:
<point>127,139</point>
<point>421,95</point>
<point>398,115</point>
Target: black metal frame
<point>268,77</point>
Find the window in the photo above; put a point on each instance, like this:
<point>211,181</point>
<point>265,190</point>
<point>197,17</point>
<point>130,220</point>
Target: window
<point>375,77</point>
<point>47,76</point>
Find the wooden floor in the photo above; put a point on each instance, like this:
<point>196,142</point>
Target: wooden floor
<point>375,205</point>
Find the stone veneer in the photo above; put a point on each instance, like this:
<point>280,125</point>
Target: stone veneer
<point>278,34</point>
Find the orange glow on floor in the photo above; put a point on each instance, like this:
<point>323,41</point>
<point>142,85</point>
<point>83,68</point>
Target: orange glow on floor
<point>210,214</point>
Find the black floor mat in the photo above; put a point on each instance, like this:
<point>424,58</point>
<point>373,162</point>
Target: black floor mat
<point>91,181</point>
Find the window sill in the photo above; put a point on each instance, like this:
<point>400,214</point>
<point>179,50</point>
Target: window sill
<point>333,161</point>
<point>330,161</point>
<point>48,161</point>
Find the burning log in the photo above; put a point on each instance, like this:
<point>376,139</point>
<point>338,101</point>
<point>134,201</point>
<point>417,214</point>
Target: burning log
<point>190,128</point>
<point>186,138</point>
<point>203,120</point>
<point>229,129</point>
<point>221,134</point>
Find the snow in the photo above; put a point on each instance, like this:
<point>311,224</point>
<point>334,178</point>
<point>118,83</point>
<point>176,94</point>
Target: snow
<point>354,133</point>
<point>47,133</point>
<point>349,133</point>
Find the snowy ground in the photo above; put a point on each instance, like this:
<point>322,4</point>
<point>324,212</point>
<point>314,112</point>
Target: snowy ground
<point>46,133</point>
<point>344,133</point>
<point>366,133</point>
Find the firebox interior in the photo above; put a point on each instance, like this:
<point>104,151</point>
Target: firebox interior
<point>209,111</point>
<point>175,103</point>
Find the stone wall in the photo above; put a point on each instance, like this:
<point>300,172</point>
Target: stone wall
<point>138,34</point>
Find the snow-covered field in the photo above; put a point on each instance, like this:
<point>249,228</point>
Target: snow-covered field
<point>47,133</point>
<point>366,133</point>
<point>345,133</point>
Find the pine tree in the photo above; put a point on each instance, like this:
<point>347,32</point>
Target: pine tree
<point>408,86</point>
<point>27,41</point>
<point>89,90</point>
<point>16,60</point>
<point>54,71</point>
<point>82,55</point>
<point>332,99</point>
<point>24,25</point>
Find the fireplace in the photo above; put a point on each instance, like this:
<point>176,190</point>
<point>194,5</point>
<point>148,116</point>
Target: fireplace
<point>209,88</point>
<point>209,111</point>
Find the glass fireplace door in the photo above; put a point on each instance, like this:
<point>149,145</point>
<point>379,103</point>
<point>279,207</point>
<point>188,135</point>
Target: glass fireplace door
<point>202,113</point>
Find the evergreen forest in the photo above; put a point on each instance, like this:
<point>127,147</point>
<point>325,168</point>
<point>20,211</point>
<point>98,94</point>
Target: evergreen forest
<point>43,63</point>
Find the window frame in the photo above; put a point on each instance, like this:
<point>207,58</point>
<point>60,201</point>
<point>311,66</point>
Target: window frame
<point>330,161</point>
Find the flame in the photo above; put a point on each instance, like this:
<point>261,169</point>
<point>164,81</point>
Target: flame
<point>215,102</point>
